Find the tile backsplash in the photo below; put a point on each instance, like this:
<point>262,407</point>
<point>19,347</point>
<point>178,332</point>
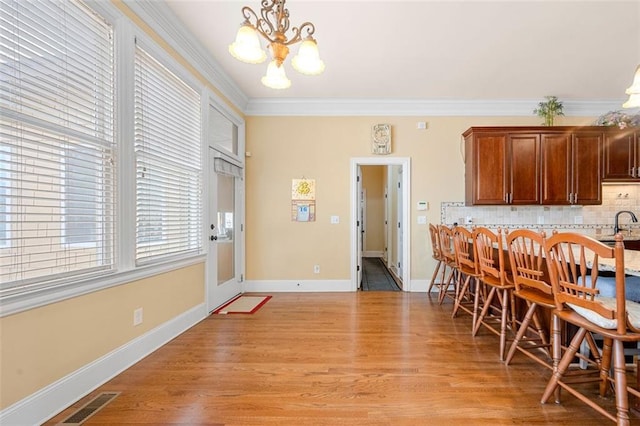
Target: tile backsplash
<point>592,220</point>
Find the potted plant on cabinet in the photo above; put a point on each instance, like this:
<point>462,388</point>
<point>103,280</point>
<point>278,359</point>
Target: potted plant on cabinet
<point>549,110</point>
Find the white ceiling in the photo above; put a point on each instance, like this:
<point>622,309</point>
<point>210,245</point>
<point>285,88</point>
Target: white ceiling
<point>441,50</point>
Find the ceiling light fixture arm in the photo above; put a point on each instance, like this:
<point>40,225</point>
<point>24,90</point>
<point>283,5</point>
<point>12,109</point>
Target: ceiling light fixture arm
<point>274,23</point>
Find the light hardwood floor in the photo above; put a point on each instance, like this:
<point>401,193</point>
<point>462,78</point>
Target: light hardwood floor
<point>366,358</point>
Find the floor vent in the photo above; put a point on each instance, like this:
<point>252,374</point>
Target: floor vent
<point>90,409</point>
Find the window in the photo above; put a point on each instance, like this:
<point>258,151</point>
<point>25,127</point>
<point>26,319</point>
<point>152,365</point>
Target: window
<point>56,164</point>
<point>168,162</point>
<point>4,199</point>
<point>84,207</point>
<point>223,133</point>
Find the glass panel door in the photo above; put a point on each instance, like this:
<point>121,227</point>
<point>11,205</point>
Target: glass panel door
<point>226,228</point>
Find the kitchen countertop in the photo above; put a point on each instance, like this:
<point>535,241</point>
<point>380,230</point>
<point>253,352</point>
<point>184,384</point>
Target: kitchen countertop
<point>631,263</point>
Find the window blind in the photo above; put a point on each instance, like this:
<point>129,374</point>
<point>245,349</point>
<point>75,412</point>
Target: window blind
<point>168,162</point>
<point>56,131</point>
<point>222,166</point>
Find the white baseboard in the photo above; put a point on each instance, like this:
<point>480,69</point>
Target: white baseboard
<point>279,286</point>
<point>50,400</point>
<point>379,254</point>
<point>418,286</point>
<point>301,286</point>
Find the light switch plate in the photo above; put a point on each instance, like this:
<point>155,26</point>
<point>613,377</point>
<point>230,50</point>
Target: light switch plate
<point>335,219</point>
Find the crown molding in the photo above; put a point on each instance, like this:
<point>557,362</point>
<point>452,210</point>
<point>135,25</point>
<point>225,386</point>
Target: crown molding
<point>398,107</point>
<point>160,18</point>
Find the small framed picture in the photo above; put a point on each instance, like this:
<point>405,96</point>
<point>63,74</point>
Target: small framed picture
<point>381,139</point>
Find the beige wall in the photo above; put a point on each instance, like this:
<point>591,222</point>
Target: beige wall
<point>374,184</point>
<point>43,345</point>
<point>283,148</point>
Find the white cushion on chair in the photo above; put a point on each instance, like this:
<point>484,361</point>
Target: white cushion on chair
<point>633,313</point>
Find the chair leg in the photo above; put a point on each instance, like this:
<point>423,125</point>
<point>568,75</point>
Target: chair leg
<point>604,367</point>
<point>460,294</point>
<point>620,380</point>
<point>444,287</point>
<point>434,276</point>
<point>459,289</point>
<point>556,350</point>
<point>476,304</point>
<point>485,308</point>
<point>506,300</point>
<point>595,353</point>
<point>520,334</point>
<point>540,330</point>
<point>563,365</point>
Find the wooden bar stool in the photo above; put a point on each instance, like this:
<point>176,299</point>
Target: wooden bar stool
<point>436,253</point>
<point>468,283</point>
<point>528,266</point>
<point>496,277</point>
<point>446,288</point>
<point>572,260</point>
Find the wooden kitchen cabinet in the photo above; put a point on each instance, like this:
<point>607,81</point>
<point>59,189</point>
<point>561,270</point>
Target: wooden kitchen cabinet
<point>621,155</point>
<point>501,167</point>
<point>533,165</point>
<point>571,165</point>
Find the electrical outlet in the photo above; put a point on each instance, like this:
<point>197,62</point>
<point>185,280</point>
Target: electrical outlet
<point>316,269</point>
<point>137,316</point>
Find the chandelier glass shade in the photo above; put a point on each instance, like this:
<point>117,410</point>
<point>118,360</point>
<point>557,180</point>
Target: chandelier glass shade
<point>247,48</point>
<point>276,78</point>
<point>633,92</point>
<point>273,25</point>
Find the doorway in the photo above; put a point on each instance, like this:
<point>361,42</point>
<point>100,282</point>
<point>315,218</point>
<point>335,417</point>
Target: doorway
<point>224,231</point>
<point>225,133</point>
<point>395,248</point>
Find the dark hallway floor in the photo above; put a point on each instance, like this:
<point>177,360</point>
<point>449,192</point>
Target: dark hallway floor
<point>376,277</point>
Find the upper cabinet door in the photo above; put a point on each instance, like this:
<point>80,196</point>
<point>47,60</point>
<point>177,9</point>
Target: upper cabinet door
<point>502,168</point>
<point>620,156</point>
<point>571,168</point>
<point>524,168</point>
<point>556,169</point>
<point>587,167</point>
<point>487,175</point>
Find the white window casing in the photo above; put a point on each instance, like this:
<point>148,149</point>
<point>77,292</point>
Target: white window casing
<point>167,142</point>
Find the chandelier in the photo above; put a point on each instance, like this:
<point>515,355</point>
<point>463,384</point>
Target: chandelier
<point>273,25</point>
<point>633,92</point>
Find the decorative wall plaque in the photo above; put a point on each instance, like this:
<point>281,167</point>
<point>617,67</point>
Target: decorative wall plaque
<point>303,200</point>
<point>381,139</point>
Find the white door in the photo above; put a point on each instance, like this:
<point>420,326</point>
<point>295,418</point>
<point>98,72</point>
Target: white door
<point>360,226</point>
<point>400,224</point>
<point>385,255</point>
<point>223,278</point>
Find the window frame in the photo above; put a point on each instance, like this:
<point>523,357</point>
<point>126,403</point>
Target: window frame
<point>167,61</point>
<point>5,211</point>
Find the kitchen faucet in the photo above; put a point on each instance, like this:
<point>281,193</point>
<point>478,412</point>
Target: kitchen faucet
<point>616,227</point>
